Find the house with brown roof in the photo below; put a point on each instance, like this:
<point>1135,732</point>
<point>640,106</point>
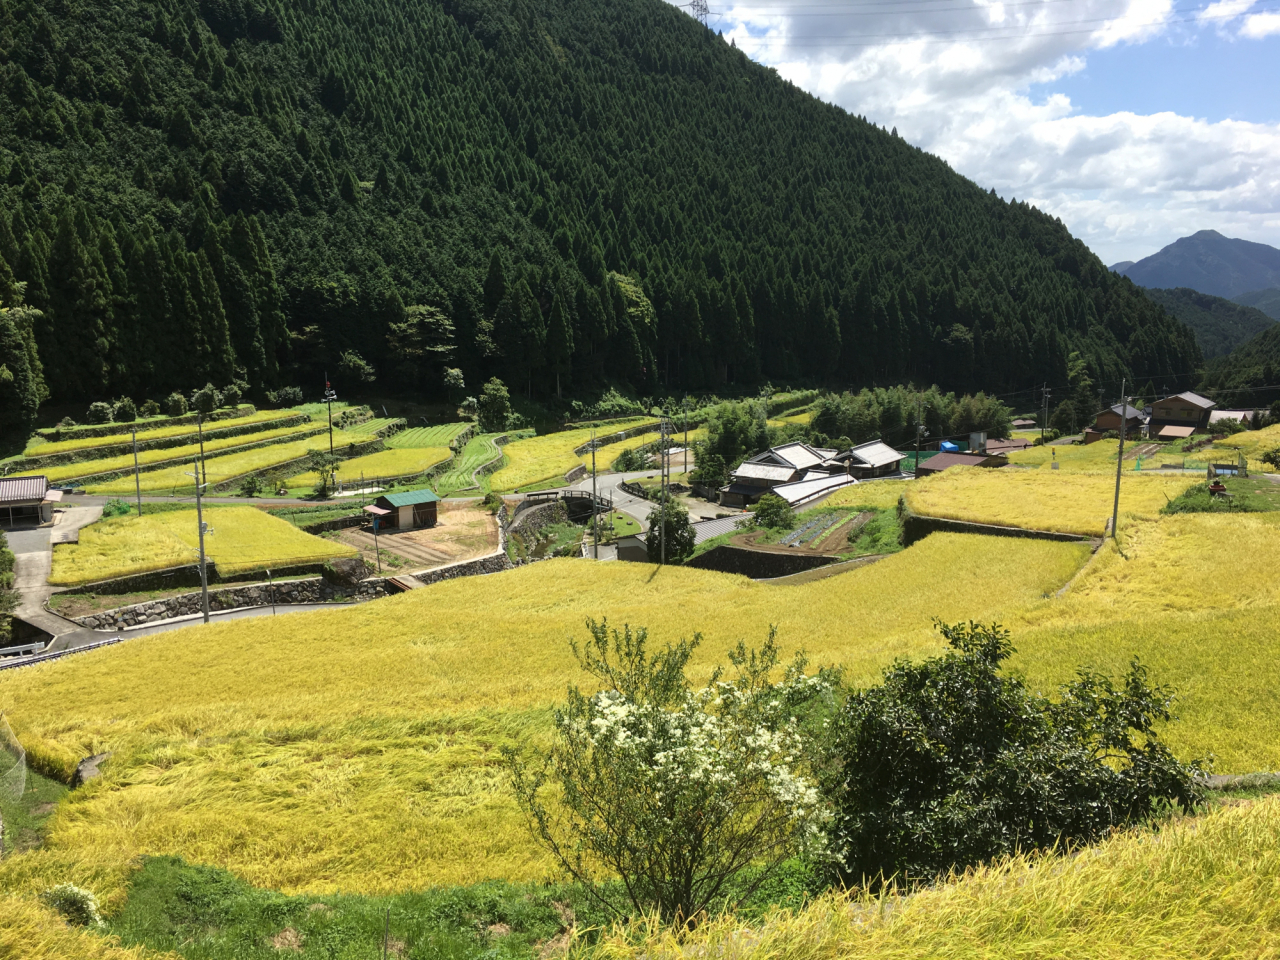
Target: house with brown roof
<point>1180,411</point>
<point>944,461</point>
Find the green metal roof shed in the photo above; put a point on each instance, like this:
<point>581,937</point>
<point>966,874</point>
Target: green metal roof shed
<point>410,498</point>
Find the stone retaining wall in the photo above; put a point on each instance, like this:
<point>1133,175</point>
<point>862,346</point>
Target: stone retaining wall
<point>309,590</point>
<point>186,576</point>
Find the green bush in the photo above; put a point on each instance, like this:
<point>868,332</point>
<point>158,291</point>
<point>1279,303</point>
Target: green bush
<point>100,412</point>
<point>774,513</point>
<point>116,508</point>
<point>206,400</point>
<point>493,411</point>
<point>1272,457</point>
<point>947,763</point>
<point>672,518</point>
<point>176,405</point>
<point>150,409</point>
<point>629,461</point>
<point>125,411</point>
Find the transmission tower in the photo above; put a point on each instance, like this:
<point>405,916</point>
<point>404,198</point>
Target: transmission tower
<point>699,10</point>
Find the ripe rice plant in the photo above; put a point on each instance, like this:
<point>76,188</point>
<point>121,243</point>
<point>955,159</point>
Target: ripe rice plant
<point>1064,502</point>
<point>242,539</point>
<point>544,458</point>
<point>39,449</point>
<point>440,435</point>
<point>1096,457</point>
<point>89,468</point>
<point>880,494</point>
<point>403,462</point>
<point>1199,887</point>
<point>1253,444</point>
<point>221,469</point>
<point>387,738</point>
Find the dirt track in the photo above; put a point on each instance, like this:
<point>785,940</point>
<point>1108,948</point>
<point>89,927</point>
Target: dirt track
<point>462,532</point>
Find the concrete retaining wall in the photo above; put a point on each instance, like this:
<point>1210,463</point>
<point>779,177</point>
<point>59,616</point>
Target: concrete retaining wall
<point>758,564</point>
<point>916,527</point>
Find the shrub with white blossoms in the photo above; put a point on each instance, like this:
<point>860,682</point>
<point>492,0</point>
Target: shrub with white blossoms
<point>676,791</point>
<point>77,905</point>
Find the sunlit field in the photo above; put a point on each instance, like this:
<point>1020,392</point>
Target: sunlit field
<point>403,462</point>
<point>358,748</point>
<point>38,448</point>
<point>1199,888</point>
<point>240,539</point>
<point>1096,457</point>
<point>1063,502</point>
<point>221,469</point>
<point>552,455</point>
<point>1253,444</point>
<point>880,494</point>
<point>440,435</point>
<point>89,468</point>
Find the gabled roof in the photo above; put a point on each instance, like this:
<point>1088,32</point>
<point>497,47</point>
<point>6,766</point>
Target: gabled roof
<point>877,453</point>
<point>410,498</point>
<point>15,490</point>
<point>764,471</point>
<point>808,489</point>
<point>1174,433</point>
<point>1130,412</point>
<point>1204,403</point>
<point>799,455</point>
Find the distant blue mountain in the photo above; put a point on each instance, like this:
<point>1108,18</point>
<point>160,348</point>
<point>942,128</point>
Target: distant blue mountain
<point>1209,262</point>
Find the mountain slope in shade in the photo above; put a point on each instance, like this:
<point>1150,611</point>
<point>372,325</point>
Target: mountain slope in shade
<point>1219,325</point>
<point>1249,375</point>
<point>1268,301</point>
<point>1122,266</point>
<point>1209,262</point>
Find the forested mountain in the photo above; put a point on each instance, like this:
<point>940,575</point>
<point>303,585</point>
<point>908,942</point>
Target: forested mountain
<point>1219,325</point>
<point>1268,301</point>
<point>560,193</point>
<point>1249,376</point>
<point>1209,262</point>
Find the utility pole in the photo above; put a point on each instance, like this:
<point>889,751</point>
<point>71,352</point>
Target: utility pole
<point>271,586</point>
<point>204,576</point>
<point>376,550</point>
<point>595,503</point>
<point>200,430</point>
<point>664,433</point>
<point>684,415</point>
<point>1044,419</point>
<point>919,431</point>
<point>1115,509</point>
<point>137,480</point>
<point>329,397</point>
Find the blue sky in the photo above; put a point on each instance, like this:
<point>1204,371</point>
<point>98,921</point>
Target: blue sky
<point>1134,121</point>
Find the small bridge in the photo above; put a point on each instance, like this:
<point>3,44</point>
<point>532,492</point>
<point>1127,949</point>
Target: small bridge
<point>577,502</point>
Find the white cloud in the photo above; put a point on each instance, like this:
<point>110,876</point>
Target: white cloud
<point>1259,25</point>
<point>955,79</point>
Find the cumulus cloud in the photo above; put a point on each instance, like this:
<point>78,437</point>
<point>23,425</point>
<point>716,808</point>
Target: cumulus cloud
<point>956,78</point>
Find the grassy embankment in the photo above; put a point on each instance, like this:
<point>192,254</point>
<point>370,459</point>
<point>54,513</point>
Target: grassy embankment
<point>241,539</point>
<point>39,447</point>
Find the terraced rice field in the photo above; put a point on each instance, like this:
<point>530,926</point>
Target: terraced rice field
<point>440,435</point>
<point>385,464</point>
<point>388,738</point>
<point>370,427</point>
<point>240,539</point>
<point>546,457</point>
<point>89,468</point>
<point>221,469</point>
<point>1064,502</point>
<point>43,449</point>
<point>876,494</point>
<point>1096,457</point>
<point>460,476</point>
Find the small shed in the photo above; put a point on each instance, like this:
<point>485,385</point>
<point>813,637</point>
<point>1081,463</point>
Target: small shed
<point>406,511</point>
<point>26,500</point>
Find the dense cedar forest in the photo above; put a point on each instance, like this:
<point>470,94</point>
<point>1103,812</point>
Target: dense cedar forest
<point>1249,375</point>
<point>564,194</point>
<point>1219,325</point>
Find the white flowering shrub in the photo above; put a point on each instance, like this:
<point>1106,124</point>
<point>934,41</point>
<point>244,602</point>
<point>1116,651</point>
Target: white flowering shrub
<point>77,905</point>
<point>677,792</point>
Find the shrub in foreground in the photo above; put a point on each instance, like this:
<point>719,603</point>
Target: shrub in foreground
<point>948,763</point>
<point>774,512</point>
<point>77,905</point>
<point>680,793</point>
